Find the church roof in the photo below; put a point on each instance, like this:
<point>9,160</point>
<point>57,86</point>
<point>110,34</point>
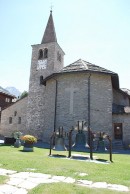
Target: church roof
<point>81,65</point>
<point>49,34</point>
<point>86,67</point>
<point>4,91</point>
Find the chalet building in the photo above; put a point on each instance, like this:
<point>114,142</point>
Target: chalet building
<point>6,99</point>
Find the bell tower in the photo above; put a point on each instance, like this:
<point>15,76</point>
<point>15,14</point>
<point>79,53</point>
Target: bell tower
<point>47,58</point>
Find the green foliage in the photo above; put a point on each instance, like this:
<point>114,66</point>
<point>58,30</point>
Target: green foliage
<point>24,94</point>
<point>16,134</point>
<point>58,188</point>
<point>3,179</point>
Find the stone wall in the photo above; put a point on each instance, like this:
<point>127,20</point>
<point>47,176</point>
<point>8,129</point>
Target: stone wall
<point>101,103</point>
<point>49,111</point>
<point>16,111</point>
<point>125,120</point>
<point>37,92</point>
<point>71,99</point>
<point>73,106</point>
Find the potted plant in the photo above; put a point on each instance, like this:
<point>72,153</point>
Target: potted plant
<point>17,136</point>
<point>29,141</point>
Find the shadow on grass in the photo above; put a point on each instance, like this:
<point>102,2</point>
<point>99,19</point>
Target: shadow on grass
<point>58,156</point>
<point>101,160</point>
<point>80,157</point>
<point>25,151</point>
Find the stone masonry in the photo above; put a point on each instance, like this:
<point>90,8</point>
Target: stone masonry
<point>16,111</point>
<point>100,105</point>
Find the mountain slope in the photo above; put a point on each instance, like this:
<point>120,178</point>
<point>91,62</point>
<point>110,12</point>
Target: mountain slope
<point>13,91</point>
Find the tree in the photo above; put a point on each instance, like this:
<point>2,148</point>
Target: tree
<point>24,94</point>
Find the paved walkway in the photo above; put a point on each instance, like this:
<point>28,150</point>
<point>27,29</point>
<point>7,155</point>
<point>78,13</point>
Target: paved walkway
<point>21,182</point>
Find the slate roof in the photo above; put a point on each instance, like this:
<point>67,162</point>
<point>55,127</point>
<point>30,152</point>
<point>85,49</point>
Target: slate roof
<point>127,91</point>
<point>81,65</point>
<point>49,34</point>
<point>84,66</point>
<point>4,91</point>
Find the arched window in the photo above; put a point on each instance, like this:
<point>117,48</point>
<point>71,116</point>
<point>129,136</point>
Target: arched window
<point>45,53</point>
<point>41,79</point>
<point>40,54</point>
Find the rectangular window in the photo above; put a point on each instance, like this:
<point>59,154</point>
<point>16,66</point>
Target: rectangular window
<point>7,99</point>
<point>19,120</point>
<point>15,113</point>
<point>10,120</point>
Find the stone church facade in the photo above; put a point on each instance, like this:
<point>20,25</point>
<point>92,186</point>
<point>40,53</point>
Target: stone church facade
<point>61,96</point>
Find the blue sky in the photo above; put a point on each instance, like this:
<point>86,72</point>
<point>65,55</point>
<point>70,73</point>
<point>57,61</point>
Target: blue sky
<point>97,31</point>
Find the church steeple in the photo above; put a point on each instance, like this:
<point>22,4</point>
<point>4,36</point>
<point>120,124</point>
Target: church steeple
<point>47,58</point>
<point>49,34</point>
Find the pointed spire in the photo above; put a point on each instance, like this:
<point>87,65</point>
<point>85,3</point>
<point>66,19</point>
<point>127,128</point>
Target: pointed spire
<point>49,34</point>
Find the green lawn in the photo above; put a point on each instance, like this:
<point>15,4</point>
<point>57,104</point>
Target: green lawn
<point>59,188</point>
<point>117,172</point>
<point>3,179</point>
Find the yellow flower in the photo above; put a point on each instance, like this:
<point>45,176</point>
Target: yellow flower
<point>29,139</point>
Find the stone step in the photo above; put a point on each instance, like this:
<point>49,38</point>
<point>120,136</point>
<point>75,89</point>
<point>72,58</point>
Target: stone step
<point>118,145</point>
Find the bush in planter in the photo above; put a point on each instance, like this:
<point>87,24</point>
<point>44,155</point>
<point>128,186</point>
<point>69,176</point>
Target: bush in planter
<point>16,135</point>
<point>29,140</point>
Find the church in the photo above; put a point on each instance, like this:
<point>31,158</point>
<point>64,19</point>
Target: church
<point>60,96</point>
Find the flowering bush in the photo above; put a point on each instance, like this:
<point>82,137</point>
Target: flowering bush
<point>29,139</point>
<point>17,134</point>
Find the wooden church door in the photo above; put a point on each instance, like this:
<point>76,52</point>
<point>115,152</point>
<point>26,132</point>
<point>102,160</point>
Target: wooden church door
<point>118,134</point>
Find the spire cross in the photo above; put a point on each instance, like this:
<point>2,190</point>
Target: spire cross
<point>51,7</point>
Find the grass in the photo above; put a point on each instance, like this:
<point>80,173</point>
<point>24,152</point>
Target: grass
<point>58,188</point>
<point>117,172</point>
<point>3,179</point>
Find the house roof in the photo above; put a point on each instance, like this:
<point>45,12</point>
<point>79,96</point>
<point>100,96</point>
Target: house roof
<point>127,91</point>
<point>4,91</point>
<point>49,34</point>
<point>84,66</point>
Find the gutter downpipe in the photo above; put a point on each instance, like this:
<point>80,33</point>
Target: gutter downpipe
<point>89,129</point>
<point>55,104</point>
